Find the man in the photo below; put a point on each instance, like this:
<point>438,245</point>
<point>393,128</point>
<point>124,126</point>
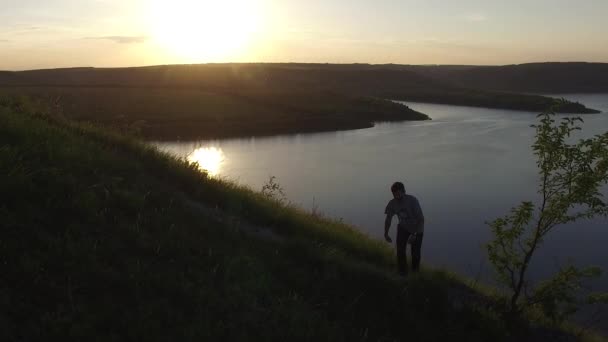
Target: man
<point>411,221</point>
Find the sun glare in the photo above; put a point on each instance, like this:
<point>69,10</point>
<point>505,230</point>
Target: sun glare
<point>204,30</point>
<point>209,159</point>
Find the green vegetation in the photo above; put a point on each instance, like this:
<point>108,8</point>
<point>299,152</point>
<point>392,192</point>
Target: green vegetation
<point>178,113</point>
<point>571,180</point>
<point>105,238</point>
<point>223,100</point>
<point>490,99</point>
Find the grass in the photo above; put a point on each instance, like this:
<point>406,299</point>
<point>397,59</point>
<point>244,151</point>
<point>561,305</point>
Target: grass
<point>99,242</point>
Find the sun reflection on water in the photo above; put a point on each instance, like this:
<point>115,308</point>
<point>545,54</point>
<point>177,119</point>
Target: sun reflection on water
<point>209,159</point>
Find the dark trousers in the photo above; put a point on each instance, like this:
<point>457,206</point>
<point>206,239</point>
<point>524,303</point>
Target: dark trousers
<point>402,237</point>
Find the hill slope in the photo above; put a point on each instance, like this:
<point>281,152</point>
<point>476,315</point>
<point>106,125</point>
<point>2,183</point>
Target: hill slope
<point>544,78</point>
<point>103,238</point>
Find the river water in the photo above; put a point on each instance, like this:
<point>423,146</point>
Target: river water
<point>466,166</point>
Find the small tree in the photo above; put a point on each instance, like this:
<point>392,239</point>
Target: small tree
<point>571,181</point>
<point>273,190</point>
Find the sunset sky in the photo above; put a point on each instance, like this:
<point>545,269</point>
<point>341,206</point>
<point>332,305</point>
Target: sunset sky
<point>108,33</point>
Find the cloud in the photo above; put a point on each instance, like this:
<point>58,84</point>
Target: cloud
<point>476,17</point>
<point>437,43</point>
<point>123,39</point>
<point>23,29</point>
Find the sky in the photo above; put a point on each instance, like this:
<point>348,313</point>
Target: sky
<point>115,33</point>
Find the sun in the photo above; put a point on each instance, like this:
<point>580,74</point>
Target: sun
<point>204,30</point>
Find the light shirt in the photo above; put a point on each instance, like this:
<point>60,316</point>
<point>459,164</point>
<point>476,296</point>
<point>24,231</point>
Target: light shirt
<point>408,212</point>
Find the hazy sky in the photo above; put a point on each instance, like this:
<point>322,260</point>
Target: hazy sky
<point>62,33</point>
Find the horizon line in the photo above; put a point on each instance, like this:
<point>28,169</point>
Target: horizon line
<point>300,63</point>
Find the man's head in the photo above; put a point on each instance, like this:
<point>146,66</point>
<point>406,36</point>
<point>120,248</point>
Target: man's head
<point>398,190</point>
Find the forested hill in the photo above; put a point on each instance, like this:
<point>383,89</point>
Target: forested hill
<point>544,78</point>
<point>459,85</point>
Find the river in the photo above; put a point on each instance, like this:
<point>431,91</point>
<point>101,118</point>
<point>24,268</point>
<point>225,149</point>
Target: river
<point>466,166</point>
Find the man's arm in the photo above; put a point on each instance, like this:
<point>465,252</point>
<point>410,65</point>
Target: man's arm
<point>387,227</point>
<point>418,212</point>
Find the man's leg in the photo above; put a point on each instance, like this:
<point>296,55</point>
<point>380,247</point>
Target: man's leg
<point>402,236</point>
<point>416,252</point>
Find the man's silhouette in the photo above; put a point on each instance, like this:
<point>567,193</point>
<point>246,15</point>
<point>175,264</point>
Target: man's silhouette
<point>411,222</point>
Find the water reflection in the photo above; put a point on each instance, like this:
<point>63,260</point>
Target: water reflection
<point>209,159</point>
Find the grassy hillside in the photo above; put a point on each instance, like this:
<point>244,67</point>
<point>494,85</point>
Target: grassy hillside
<point>104,238</point>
